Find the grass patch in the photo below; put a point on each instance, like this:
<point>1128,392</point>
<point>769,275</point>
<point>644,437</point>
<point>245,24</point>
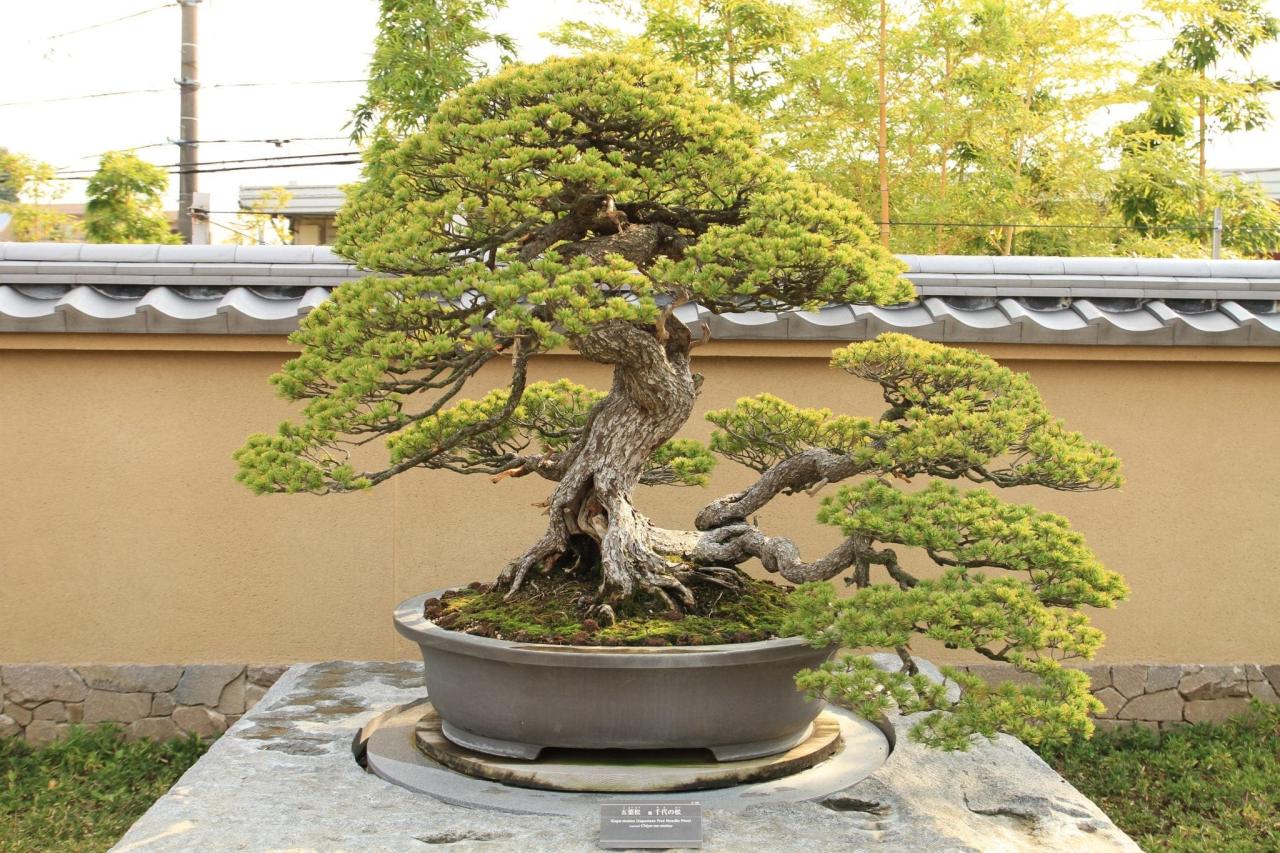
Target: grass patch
<point>555,610</point>
<point>1201,788</point>
<point>83,793</point>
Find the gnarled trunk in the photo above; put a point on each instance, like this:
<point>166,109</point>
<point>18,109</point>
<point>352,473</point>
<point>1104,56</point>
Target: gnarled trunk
<point>592,518</point>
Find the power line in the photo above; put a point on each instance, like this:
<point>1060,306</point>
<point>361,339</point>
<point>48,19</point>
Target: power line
<point>276,141</point>
<point>243,85</point>
<point>356,162</point>
<point>73,172</point>
<point>109,23</point>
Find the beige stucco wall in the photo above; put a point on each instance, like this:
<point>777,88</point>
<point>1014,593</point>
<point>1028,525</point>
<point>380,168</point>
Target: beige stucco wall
<point>124,538</point>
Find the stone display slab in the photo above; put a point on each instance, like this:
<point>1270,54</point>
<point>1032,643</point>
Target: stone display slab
<point>284,778</point>
<point>859,747</point>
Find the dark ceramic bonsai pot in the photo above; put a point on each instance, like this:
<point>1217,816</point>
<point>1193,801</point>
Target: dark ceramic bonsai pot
<point>514,699</point>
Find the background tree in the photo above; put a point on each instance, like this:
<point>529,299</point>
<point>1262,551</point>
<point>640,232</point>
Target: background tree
<point>991,115</point>
<point>734,48</point>
<point>126,202</point>
<point>8,182</point>
<point>30,189</point>
<point>424,51</point>
<point>582,203</point>
<point>1163,187</point>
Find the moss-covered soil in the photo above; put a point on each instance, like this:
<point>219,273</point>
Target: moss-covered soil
<point>556,611</point>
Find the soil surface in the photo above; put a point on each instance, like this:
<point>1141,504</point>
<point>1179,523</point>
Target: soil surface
<point>557,610</point>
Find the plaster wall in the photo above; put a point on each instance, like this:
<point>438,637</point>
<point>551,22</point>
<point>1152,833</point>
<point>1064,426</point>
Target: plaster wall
<point>124,538</point>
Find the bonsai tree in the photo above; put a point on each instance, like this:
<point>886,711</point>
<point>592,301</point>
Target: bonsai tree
<point>582,203</point>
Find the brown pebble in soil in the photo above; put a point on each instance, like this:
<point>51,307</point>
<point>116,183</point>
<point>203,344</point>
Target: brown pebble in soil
<point>590,626</point>
<point>657,641</point>
<point>580,639</point>
<point>742,637</point>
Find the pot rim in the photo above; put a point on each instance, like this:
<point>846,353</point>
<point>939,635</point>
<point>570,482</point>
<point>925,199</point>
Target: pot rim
<point>411,622</point>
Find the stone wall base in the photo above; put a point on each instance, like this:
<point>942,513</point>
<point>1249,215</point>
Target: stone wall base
<point>1164,696</point>
<point>39,702</point>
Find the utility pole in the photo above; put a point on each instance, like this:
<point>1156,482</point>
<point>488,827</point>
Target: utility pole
<point>188,125</point>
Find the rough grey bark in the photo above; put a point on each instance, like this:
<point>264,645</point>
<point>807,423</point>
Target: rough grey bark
<point>591,510</point>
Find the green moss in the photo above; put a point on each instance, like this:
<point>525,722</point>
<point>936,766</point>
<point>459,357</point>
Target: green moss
<point>557,611</point>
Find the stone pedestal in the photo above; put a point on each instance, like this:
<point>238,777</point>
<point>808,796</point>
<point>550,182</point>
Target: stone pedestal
<point>284,777</point>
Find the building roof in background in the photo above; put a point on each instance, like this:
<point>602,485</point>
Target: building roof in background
<point>1268,179</point>
<point>311,200</point>
<point>74,287</point>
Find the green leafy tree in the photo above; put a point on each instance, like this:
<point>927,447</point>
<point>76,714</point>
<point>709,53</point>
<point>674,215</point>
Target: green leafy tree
<point>126,202</point>
<point>28,190</point>
<point>581,203</point>
<point>8,182</point>
<point>733,48</point>
<point>1163,187</point>
<point>425,50</point>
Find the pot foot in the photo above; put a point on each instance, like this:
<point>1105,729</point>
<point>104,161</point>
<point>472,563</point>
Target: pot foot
<point>489,745</point>
<point>759,748</point>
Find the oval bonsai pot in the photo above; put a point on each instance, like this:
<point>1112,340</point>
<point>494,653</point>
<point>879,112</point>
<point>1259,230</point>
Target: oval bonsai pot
<point>513,699</point>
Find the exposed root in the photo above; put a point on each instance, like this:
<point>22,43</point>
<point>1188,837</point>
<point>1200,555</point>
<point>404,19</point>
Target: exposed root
<point>714,575</point>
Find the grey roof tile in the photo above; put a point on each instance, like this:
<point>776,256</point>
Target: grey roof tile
<point>212,289</point>
<point>119,252</point>
<point>197,254</point>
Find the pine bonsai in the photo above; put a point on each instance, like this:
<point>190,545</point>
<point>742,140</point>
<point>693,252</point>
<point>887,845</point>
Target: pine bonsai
<point>580,203</point>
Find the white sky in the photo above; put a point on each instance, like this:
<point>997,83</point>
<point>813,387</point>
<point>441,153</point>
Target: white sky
<point>280,41</point>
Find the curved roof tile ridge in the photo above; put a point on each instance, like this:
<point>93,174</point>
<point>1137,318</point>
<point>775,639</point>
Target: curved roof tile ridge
<point>79,287</point>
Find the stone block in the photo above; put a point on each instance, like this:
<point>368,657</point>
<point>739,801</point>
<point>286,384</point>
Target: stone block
<point>18,713</point>
<point>9,726</point>
<point>1272,674</point>
<point>1214,710</point>
<point>131,678</point>
<point>1214,682</point>
<point>31,684</point>
<point>54,711</point>
<point>253,694</point>
<point>105,706</point>
<point>1163,678</point>
<point>200,721</point>
<point>44,732</point>
<point>232,699</point>
<point>1129,679</point>
<point>162,705</point>
<point>1264,692</point>
<point>1253,672</point>
<point>152,728</point>
<point>75,712</point>
<point>1110,697</point>
<point>1099,675</point>
<point>1170,725</point>
<point>1165,705</point>
<point>202,683</point>
<point>266,675</point>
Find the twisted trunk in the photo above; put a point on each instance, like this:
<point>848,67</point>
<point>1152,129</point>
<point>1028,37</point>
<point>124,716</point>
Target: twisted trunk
<point>592,518</point>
